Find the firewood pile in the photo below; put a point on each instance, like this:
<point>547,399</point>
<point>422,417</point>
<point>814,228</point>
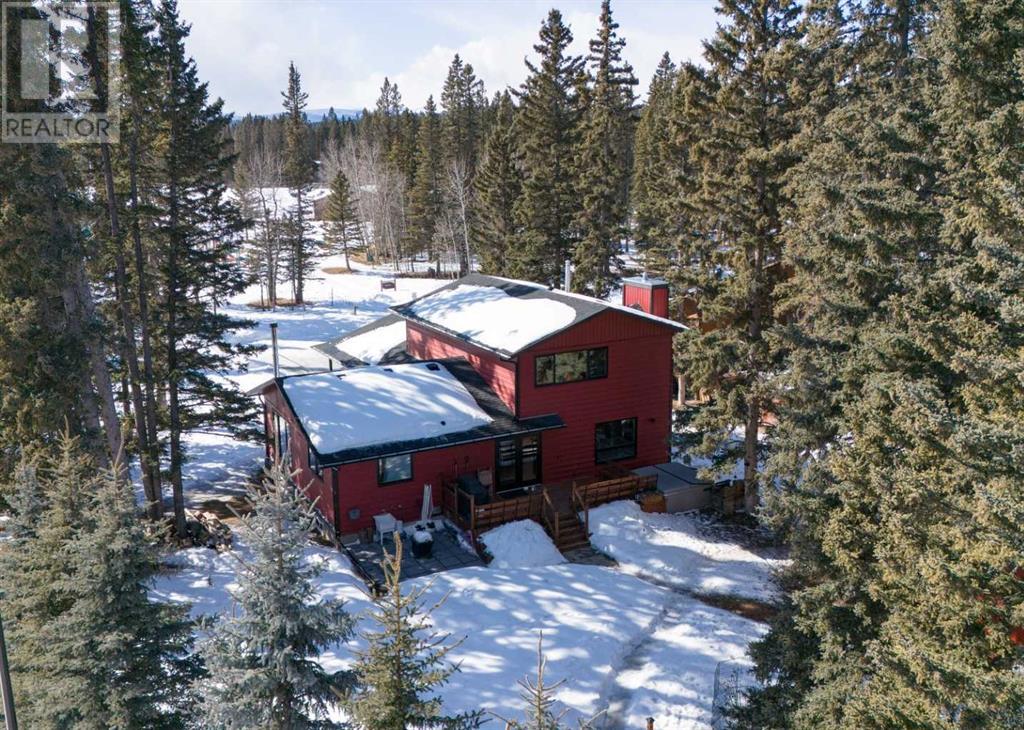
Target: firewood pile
<point>208,530</point>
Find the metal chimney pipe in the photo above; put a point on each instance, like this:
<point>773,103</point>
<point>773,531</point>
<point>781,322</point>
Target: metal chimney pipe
<point>273,341</point>
<point>567,278</point>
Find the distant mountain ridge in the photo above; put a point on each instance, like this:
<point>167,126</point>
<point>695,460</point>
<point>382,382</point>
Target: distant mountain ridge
<point>314,115</point>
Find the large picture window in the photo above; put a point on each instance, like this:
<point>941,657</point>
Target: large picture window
<point>284,442</point>
<point>571,367</point>
<point>393,469</point>
<point>615,440</point>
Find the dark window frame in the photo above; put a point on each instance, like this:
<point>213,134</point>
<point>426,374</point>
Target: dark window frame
<point>598,449</point>
<point>380,470</point>
<point>553,357</point>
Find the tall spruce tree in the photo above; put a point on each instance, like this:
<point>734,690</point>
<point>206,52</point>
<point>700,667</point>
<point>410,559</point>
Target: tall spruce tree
<point>653,169</point>
<point>901,611</point>
<point>732,258</point>
<point>343,228</point>
<point>263,661</point>
<point>425,195</point>
<point>299,174</point>
<point>194,245</point>
<point>463,100</point>
<point>604,160</point>
<point>499,183</point>
<point>547,127</point>
<point>118,659</point>
<point>398,674</point>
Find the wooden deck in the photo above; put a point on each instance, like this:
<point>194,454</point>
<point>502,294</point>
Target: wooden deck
<point>563,509</point>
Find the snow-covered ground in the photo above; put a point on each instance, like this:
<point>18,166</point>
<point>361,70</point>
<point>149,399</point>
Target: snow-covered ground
<point>623,645</point>
<point>521,544</point>
<point>674,550</point>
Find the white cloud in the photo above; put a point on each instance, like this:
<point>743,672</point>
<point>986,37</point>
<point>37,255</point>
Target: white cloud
<point>344,50</point>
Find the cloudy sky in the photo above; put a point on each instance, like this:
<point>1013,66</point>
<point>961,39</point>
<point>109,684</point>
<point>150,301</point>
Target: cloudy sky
<point>345,48</point>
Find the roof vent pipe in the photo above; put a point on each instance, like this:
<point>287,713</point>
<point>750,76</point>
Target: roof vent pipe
<point>568,275</point>
<point>273,344</point>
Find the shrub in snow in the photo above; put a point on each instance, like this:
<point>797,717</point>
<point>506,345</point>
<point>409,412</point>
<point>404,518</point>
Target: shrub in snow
<point>263,662</point>
<point>404,664</point>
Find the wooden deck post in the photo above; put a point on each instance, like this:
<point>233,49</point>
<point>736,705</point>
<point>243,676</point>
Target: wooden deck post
<point>472,514</point>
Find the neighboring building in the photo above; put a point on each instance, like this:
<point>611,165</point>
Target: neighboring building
<point>507,378</point>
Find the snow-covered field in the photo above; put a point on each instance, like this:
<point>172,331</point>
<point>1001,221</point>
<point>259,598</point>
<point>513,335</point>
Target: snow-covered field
<point>672,550</point>
<point>625,645</point>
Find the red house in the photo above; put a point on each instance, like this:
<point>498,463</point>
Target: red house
<point>500,385</point>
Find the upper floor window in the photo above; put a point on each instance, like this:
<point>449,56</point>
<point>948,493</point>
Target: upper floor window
<point>571,367</point>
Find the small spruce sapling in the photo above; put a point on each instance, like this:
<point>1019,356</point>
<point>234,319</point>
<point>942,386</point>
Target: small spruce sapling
<point>263,661</point>
<point>540,700</point>
<point>404,664</point>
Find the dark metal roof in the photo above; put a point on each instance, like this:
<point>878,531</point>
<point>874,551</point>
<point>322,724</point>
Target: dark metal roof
<point>503,423</point>
<point>335,349</point>
<point>585,307</point>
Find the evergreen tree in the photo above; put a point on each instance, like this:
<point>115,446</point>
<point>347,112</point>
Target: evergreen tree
<point>343,228</point>
<point>539,698</point>
<point>499,183</point>
<point>47,376</point>
<point>36,583</point>
<point>263,662</point>
<point>604,161</point>
<point>425,195</point>
<point>653,169</point>
<point>463,100</point>
<point>299,173</point>
<point>398,674</point>
<point>194,245</point>
<point>547,127</point>
<point>118,659</point>
<point>26,498</point>
<point>731,259</point>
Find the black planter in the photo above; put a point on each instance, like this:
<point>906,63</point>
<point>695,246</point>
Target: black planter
<point>422,549</point>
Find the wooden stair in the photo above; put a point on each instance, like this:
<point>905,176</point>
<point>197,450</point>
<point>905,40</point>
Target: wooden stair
<point>571,533</point>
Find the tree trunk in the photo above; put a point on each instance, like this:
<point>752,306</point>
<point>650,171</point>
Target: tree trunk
<point>156,509</point>
<point>173,405</point>
<point>129,353</point>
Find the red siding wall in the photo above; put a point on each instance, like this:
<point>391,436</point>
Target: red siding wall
<point>316,487</point>
<point>639,385</point>
<point>358,488</point>
<point>430,345</point>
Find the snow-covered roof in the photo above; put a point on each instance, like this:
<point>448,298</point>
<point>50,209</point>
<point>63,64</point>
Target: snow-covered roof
<point>382,341</point>
<point>645,281</point>
<point>491,317</point>
<point>369,412</point>
<point>365,406</point>
<point>509,316</point>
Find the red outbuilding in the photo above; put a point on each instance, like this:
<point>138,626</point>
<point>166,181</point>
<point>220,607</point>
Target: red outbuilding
<point>487,388</point>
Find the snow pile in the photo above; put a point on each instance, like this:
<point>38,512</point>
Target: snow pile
<point>374,344</point>
<point>374,405</point>
<point>490,317</point>
<point>671,550</point>
<point>522,544</point>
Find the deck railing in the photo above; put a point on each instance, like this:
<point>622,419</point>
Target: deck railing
<point>463,509</point>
